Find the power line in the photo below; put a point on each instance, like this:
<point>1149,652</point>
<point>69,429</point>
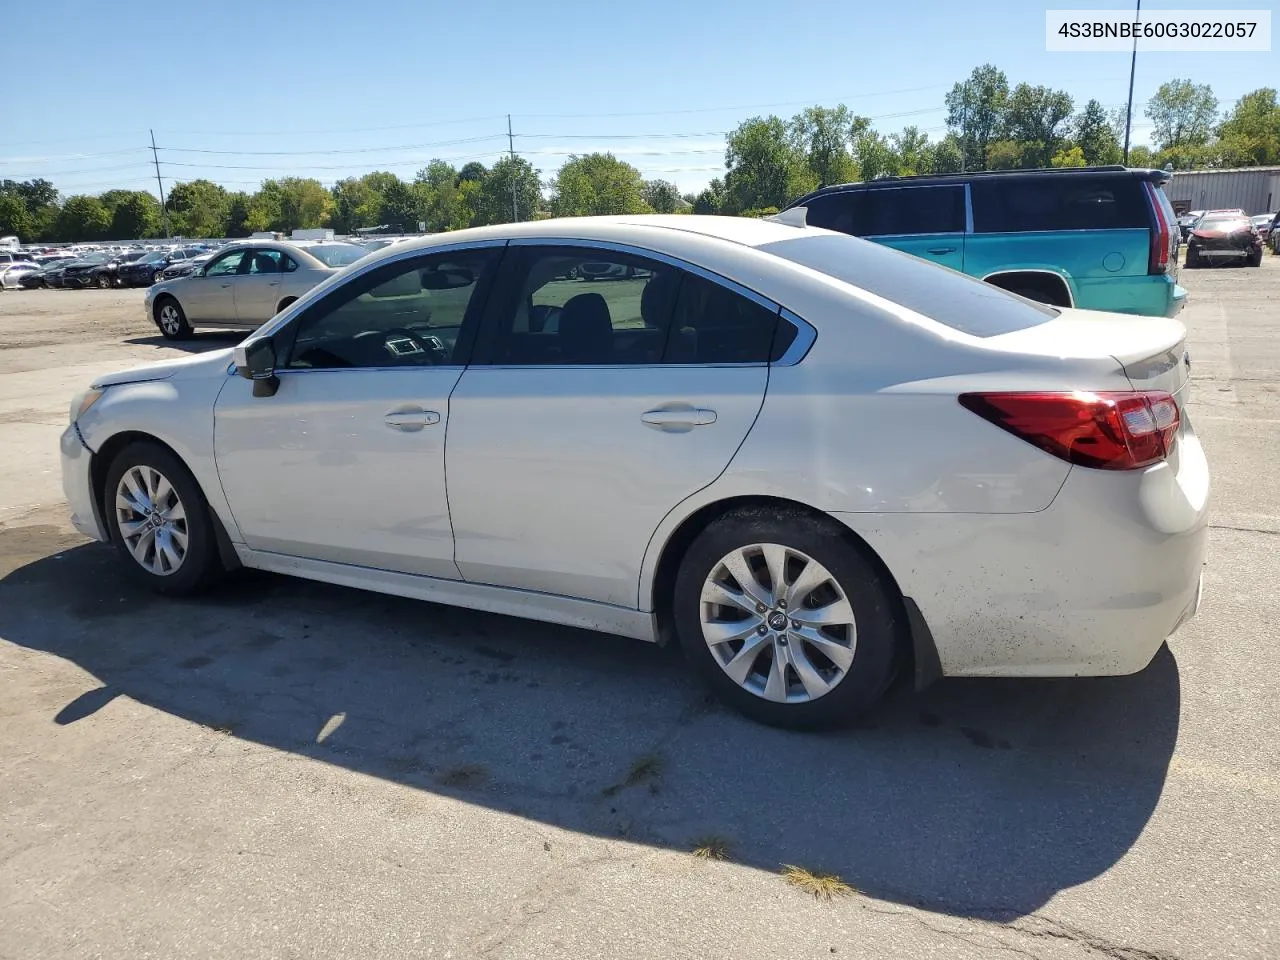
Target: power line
<point>361,150</point>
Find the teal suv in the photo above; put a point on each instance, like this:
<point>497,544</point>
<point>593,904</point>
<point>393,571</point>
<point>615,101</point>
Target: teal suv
<point>1099,238</point>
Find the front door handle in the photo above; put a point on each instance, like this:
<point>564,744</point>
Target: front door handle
<point>942,249</point>
<point>225,285</point>
<point>411,420</point>
<point>274,283</point>
<point>679,418</point>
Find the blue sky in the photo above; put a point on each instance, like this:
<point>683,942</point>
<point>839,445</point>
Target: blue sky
<point>242,91</point>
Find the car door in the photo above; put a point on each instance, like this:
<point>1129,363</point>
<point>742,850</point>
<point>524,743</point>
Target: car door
<point>594,407</point>
<point>209,294</point>
<point>345,463</point>
<point>257,288</point>
<point>929,222</point>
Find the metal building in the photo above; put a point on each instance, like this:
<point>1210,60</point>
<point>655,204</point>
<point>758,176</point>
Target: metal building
<point>1254,189</point>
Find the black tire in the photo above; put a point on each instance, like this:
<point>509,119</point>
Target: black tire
<point>874,602</point>
<point>1255,258</point>
<point>157,276</point>
<point>200,566</point>
<point>284,303</point>
<point>103,281</point>
<point>178,327</point>
<point>1193,258</point>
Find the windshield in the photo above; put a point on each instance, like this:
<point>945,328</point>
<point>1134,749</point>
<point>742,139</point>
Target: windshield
<point>153,257</point>
<point>1222,223</point>
<point>944,295</point>
<point>337,254</point>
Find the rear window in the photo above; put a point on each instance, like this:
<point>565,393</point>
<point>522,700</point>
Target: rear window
<point>1069,202</point>
<point>955,299</point>
<point>337,254</point>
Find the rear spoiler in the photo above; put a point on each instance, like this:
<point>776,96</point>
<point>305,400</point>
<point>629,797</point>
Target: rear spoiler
<point>1152,175</point>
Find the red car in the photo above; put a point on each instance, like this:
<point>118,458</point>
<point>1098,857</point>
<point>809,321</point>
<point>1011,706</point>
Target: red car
<point>1224,238</point>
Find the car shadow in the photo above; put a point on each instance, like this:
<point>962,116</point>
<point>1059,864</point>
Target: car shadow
<point>201,341</point>
<point>976,798</point>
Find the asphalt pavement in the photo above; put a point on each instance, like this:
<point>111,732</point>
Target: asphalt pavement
<point>288,769</point>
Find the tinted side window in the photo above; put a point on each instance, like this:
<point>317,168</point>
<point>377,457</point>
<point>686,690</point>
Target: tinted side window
<point>584,306</point>
<point>408,313</point>
<point>713,324</point>
<point>886,211</point>
<point>265,261</point>
<point>226,265</point>
<point>1068,202</point>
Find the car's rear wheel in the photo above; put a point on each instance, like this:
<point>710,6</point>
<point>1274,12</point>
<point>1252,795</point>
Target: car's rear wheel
<point>103,281</point>
<point>171,319</point>
<point>1255,257</point>
<point>159,520</point>
<point>786,619</point>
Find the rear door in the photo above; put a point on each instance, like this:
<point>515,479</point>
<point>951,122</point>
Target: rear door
<point>257,288</point>
<point>592,409</point>
<point>925,221</point>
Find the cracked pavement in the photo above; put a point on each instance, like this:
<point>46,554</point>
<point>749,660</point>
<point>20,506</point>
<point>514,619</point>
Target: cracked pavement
<point>286,769</point>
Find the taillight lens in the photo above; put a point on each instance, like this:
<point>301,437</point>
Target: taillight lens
<point>1107,431</point>
<point>1158,261</point>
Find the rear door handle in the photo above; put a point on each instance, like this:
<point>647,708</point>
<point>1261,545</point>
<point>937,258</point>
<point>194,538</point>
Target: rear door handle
<point>274,283</point>
<point>678,419</point>
<point>942,249</point>
<point>411,420</point>
<point>225,285</point>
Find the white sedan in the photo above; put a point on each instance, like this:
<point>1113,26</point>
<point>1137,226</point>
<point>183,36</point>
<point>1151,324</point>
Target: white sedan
<point>244,284</point>
<point>809,459</point>
<point>11,274</point>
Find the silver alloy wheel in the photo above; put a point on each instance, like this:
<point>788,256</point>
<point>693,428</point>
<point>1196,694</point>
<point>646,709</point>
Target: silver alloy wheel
<point>778,623</point>
<point>170,320</point>
<point>152,520</point>
<point>158,276</point>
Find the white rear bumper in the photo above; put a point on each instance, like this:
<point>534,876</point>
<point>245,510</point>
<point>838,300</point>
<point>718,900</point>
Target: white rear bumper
<point>1090,586</point>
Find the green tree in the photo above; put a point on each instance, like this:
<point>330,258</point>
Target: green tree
<point>198,208</point>
<point>1004,155</point>
<point>1182,114</point>
<point>663,196</point>
<point>238,211</point>
<point>597,184</point>
<point>473,171</point>
<point>765,169</point>
<point>1141,157</point>
<point>465,207</point>
<point>439,185</point>
<point>976,110</point>
<point>1035,118</point>
<point>872,151</point>
<point>135,216</point>
<point>83,218</point>
<point>304,204</point>
<point>915,155</point>
<point>1072,156</point>
<point>15,219</point>
<point>711,200</point>
<point>1092,131</point>
<point>355,205</point>
<point>40,200</point>
<point>403,206</point>
<point>947,155</point>
<point>493,199</point>
<point>1250,133</point>
<point>822,135</point>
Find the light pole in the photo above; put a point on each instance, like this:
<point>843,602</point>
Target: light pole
<point>1133,66</point>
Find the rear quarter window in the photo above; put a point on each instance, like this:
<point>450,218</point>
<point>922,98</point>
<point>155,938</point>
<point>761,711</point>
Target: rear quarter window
<point>1022,205</point>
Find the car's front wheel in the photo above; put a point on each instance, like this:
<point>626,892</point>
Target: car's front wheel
<point>103,281</point>
<point>171,319</point>
<point>786,619</point>
<point>159,520</point>
<point>1193,258</point>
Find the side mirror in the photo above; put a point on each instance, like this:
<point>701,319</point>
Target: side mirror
<point>256,361</point>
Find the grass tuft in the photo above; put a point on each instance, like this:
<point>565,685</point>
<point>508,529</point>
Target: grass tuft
<point>645,769</point>
<point>823,886</point>
<point>711,848</point>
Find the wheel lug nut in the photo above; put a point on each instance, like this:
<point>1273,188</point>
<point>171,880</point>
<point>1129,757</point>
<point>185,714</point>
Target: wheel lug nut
<point>760,608</point>
<point>782,604</point>
<point>795,624</point>
<point>762,629</point>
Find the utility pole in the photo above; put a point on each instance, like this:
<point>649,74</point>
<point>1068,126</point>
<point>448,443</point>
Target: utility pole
<point>1133,66</point>
<point>511,149</point>
<point>164,212</point>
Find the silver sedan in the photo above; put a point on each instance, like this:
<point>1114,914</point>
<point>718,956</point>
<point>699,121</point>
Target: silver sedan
<point>244,285</point>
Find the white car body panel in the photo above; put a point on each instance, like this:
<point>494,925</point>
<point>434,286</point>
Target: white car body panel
<point>324,439</point>
<point>560,501</point>
<point>555,483</point>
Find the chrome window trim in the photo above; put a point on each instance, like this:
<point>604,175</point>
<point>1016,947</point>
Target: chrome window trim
<point>315,294</point>
<point>800,346</point>
<point>968,208</point>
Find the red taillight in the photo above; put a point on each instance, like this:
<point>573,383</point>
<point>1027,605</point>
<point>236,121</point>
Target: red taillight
<point>1108,431</point>
<point>1158,261</point>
